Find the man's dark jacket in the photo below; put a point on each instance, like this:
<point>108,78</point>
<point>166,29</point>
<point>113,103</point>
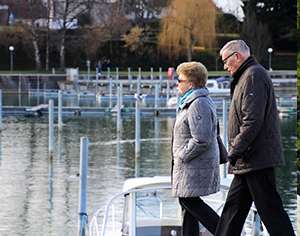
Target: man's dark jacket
<point>253,122</point>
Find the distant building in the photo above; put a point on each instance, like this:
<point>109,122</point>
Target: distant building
<point>4,14</point>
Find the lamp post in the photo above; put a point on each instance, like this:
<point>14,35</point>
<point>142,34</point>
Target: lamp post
<point>270,50</point>
<point>11,49</point>
<point>88,64</point>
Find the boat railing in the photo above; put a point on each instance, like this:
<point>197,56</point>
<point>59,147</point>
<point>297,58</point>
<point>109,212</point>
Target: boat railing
<point>94,222</point>
<point>258,228</point>
<point>114,214</point>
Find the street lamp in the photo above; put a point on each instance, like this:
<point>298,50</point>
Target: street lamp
<point>270,50</point>
<point>11,49</point>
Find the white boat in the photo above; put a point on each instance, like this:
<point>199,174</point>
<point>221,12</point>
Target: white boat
<point>147,208</point>
<point>219,86</point>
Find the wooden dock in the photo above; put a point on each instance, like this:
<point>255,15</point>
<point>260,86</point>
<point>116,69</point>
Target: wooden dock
<point>99,111</point>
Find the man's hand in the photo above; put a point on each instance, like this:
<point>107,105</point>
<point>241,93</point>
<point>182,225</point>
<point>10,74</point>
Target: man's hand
<point>232,159</point>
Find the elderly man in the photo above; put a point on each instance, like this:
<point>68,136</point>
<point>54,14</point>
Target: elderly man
<point>254,146</point>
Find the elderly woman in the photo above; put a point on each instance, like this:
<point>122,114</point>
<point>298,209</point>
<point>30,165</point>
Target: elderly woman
<point>195,154</point>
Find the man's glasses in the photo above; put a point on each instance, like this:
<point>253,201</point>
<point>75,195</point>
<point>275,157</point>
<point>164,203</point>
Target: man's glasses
<point>224,61</point>
<point>179,81</point>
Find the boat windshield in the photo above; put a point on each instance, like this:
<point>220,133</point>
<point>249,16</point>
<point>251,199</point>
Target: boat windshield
<point>156,211</point>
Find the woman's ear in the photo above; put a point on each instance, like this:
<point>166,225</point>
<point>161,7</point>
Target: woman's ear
<point>191,85</point>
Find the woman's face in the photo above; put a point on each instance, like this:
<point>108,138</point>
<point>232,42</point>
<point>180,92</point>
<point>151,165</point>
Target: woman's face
<point>183,85</point>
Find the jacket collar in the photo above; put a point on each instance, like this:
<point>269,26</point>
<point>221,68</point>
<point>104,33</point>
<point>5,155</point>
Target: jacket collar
<point>237,75</point>
<point>201,92</point>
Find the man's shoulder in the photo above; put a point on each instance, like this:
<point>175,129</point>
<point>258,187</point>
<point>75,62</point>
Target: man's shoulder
<point>257,69</point>
<point>257,73</point>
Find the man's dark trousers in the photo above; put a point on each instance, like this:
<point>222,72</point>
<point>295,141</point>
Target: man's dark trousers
<point>260,187</point>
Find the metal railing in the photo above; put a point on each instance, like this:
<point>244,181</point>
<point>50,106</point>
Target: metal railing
<point>94,227</point>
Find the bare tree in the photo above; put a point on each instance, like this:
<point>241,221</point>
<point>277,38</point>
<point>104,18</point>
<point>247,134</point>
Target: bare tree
<point>32,4</point>
<point>256,35</point>
<point>67,11</point>
<point>47,4</point>
<point>188,23</point>
<point>95,37</point>
<point>110,18</point>
<point>144,10</point>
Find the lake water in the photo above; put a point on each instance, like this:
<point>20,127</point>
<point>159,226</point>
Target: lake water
<point>39,196</point>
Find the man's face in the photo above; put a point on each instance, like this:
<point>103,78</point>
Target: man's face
<point>230,60</point>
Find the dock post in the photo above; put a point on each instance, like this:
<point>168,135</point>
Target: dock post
<point>117,76</point>
<point>160,76</point>
<point>138,87</point>
<point>121,94</point>
<point>110,87</point>
<point>82,216</point>
<point>119,110</point>
<point>51,121</point>
<point>97,82</point>
<point>38,83</point>
<point>19,98</point>
<point>137,127</point>
<point>137,118</point>
<point>168,93</point>
<point>129,75</point>
<point>0,110</point>
<point>156,96</point>
<point>60,123</point>
<point>139,79</point>
<point>44,89</point>
<point>60,147</point>
<point>151,75</point>
<point>20,77</point>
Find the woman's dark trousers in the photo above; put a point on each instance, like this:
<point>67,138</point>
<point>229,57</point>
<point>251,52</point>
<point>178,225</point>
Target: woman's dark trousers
<point>194,210</point>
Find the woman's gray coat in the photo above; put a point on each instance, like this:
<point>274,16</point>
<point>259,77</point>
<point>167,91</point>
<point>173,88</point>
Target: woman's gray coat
<point>195,153</point>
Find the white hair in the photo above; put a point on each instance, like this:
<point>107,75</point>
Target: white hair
<point>236,46</point>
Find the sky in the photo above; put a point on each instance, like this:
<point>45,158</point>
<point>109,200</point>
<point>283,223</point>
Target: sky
<point>233,7</point>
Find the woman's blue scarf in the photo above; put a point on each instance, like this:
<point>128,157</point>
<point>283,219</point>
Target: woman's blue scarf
<point>184,97</point>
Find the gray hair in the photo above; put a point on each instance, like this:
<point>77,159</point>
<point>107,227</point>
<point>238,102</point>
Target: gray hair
<point>236,46</point>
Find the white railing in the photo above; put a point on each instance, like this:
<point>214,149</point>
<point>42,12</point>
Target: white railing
<point>94,225</point>
<point>94,221</point>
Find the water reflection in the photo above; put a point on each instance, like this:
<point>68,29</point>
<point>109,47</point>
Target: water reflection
<point>39,194</point>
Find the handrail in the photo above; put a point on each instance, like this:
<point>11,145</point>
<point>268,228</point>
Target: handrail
<point>106,207</point>
<point>110,201</point>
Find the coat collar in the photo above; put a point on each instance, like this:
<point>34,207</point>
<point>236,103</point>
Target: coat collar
<point>237,75</point>
<point>201,92</point>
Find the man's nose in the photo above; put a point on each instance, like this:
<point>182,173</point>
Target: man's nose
<point>225,67</point>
